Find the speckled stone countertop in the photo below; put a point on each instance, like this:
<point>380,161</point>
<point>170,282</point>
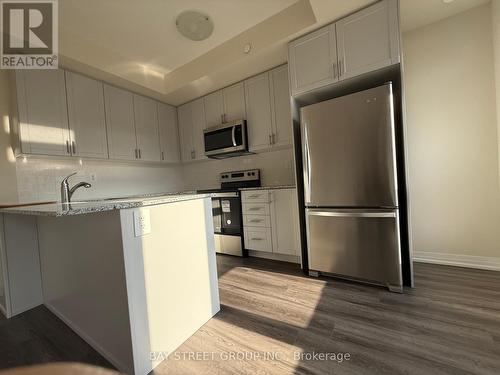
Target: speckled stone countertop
<point>270,187</point>
<point>88,207</point>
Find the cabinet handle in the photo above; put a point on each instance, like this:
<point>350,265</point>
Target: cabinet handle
<point>67,147</point>
<point>193,154</point>
<point>255,221</point>
<point>136,156</point>
<point>255,196</point>
<point>140,157</point>
<point>256,239</point>
<point>274,138</point>
<point>254,208</point>
<point>270,139</point>
<point>73,144</point>
<point>335,71</point>
<point>162,156</point>
<point>341,68</point>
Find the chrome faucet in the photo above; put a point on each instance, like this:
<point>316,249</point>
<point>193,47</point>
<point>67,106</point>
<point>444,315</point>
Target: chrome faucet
<point>67,192</point>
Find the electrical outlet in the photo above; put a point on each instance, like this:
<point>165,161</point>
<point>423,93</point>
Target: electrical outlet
<point>142,222</point>
<point>93,177</point>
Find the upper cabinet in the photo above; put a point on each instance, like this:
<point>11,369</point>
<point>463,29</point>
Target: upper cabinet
<point>368,40</point>
<point>214,109</point>
<point>234,102</point>
<point>313,60</point>
<point>281,107</point>
<point>146,128</point>
<point>362,42</point>
<point>191,125</point>
<point>87,122</point>
<point>62,113</point>
<point>43,117</point>
<point>169,135</point>
<point>185,132</point>
<point>120,123</point>
<point>225,105</point>
<point>269,119</point>
<point>198,118</point>
<point>259,112</point>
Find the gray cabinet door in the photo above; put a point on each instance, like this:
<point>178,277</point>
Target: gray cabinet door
<point>259,112</point>
<point>214,109</point>
<point>184,116</point>
<point>368,40</point>
<point>169,133</point>
<point>280,100</point>
<point>146,128</point>
<point>120,123</point>
<point>198,122</point>
<point>234,102</point>
<point>43,116</point>
<point>87,120</point>
<point>313,60</point>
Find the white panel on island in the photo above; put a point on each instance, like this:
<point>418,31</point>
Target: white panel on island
<point>135,296</point>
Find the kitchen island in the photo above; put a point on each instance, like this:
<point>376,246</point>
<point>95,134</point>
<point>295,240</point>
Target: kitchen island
<point>134,277</point>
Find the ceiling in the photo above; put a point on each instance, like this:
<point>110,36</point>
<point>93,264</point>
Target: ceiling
<point>134,43</point>
<point>419,13</point>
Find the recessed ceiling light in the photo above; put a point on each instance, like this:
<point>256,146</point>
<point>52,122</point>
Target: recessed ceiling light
<point>194,25</point>
<point>448,1</point>
<point>247,48</point>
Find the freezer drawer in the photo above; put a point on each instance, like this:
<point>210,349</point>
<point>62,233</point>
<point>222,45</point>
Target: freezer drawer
<point>362,245</point>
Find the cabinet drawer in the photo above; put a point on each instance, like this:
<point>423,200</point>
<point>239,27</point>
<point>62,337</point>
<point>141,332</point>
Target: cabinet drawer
<point>258,239</point>
<point>256,209</point>
<point>255,196</point>
<point>257,221</point>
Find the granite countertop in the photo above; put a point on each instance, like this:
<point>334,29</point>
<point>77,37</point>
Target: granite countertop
<point>270,187</point>
<point>92,206</point>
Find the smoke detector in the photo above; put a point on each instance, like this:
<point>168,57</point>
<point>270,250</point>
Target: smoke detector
<point>194,25</point>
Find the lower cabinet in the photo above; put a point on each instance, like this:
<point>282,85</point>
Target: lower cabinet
<point>285,221</point>
<point>271,222</point>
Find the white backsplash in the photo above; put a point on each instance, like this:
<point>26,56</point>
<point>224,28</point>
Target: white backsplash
<point>277,168</point>
<point>39,178</point>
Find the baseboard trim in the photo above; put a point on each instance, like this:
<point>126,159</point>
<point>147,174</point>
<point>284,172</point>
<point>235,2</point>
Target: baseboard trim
<point>98,348</point>
<point>468,261</point>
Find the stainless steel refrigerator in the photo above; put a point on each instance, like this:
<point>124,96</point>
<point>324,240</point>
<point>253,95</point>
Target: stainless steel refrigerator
<point>350,187</point>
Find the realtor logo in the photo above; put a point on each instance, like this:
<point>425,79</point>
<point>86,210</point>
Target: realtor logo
<point>29,34</point>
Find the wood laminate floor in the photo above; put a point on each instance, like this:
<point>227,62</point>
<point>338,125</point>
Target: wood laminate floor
<point>271,314</point>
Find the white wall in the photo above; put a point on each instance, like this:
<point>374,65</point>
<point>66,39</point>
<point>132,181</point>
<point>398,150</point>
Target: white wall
<point>38,178</point>
<point>452,137</point>
<point>276,169</point>
<point>496,44</point>
<point>8,188</point>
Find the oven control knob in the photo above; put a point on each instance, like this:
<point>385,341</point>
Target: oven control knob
<point>228,221</point>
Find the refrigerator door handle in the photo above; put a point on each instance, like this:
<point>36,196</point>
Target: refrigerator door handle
<point>307,168</point>
<point>350,213</point>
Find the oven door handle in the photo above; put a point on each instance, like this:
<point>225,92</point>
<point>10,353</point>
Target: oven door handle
<point>233,135</point>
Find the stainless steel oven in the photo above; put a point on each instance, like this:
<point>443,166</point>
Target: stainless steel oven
<point>226,210</point>
<point>226,140</point>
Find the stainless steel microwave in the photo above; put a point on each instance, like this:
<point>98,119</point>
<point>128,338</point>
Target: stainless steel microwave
<point>226,140</point>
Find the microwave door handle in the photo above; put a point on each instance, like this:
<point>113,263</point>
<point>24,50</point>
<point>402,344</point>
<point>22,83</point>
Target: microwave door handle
<point>233,136</point>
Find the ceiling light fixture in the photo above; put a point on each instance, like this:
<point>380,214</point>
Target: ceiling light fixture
<point>194,25</point>
<point>448,1</point>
